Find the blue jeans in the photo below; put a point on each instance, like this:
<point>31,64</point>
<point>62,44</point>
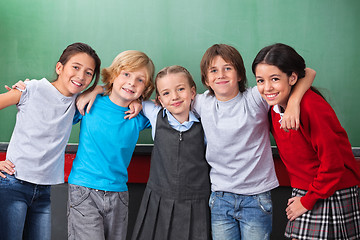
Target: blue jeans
<point>25,210</point>
<point>235,216</point>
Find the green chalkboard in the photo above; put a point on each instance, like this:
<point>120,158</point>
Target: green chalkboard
<point>325,32</point>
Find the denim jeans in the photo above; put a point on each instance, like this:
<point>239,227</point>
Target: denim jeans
<point>235,216</point>
<point>25,210</point>
<point>97,214</point>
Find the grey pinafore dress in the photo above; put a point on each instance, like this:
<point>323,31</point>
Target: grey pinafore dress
<point>175,201</point>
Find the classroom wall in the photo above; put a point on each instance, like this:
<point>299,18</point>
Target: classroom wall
<point>325,32</point>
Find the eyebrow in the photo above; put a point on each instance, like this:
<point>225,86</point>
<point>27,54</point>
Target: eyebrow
<point>180,84</point>
<point>273,75</point>
<point>225,65</point>
<point>77,63</point>
<point>140,74</point>
<point>164,90</point>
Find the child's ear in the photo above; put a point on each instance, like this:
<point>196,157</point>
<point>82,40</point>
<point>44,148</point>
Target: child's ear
<point>160,101</point>
<point>193,93</point>
<point>293,79</point>
<point>207,82</point>
<point>58,67</point>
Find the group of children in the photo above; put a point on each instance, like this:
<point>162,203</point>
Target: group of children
<point>212,169</point>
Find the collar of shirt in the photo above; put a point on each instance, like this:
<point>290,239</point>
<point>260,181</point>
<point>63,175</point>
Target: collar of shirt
<point>182,127</point>
<point>276,109</point>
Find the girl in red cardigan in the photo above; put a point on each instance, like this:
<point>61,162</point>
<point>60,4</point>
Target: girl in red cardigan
<point>325,201</point>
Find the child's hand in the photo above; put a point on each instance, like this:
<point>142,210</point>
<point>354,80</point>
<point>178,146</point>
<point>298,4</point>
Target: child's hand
<point>87,98</point>
<point>20,84</point>
<point>6,166</point>
<point>295,208</point>
<point>135,108</point>
<point>291,117</point>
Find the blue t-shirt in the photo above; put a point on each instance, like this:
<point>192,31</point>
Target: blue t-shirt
<point>106,145</point>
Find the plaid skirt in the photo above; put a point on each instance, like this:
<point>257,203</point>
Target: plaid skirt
<point>336,217</point>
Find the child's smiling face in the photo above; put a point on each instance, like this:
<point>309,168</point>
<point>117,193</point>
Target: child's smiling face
<point>223,79</point>
<point>273,84</point>
<point>76,75</point>
<point>128,86</point>
<point>175,94</point>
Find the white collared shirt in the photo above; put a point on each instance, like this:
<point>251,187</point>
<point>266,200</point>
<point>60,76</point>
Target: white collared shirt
<point>277,109</point>
<point>150,110</point>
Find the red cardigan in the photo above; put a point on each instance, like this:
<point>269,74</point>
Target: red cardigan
<point>318,157</point>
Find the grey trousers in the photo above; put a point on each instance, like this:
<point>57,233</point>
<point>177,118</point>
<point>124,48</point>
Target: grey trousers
<point>96,214</point>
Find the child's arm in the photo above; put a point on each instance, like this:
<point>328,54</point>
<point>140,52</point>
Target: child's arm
<point>9,98</point>
<point>20,84</point>
<point>291,118</point>
<point>88,98</point>
<point>135,108</point>
<point>6,166</point>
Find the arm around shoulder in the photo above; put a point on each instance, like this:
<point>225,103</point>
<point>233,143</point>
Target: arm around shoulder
<point>9,98</point>
<point>291,118</point>
<point>302,86</point>
<point>88,98</point>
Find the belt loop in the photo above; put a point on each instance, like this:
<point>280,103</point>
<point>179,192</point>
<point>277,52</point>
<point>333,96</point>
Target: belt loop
<point>219,193</point>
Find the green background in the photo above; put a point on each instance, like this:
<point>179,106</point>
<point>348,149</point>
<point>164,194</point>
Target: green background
<point>325,32</point>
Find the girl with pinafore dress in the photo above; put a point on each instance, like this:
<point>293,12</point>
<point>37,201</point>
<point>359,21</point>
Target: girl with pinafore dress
<point>175,201</point>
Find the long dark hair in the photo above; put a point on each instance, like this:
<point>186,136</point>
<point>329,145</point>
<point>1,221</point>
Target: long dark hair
<point>285,58</point>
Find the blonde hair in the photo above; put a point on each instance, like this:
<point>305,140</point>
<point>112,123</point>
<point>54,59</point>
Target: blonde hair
<point>173,70</point>
<point>130,60</point>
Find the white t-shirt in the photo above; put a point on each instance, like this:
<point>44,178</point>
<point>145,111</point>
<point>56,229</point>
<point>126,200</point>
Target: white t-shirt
<point>238,142</point>
<point>42,130</point>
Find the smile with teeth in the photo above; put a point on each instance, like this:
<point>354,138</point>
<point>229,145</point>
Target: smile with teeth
<point>128,90</point>
<point>76,83</point>
<point>271,96</point>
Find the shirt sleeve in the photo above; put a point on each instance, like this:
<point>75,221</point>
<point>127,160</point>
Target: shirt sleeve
<point>144,122</point>
<point>197,103</point>
<point>260,101</point>
<point>327,137</point>
<point>26,92</point>
<point>150,110</point>
<point>77,117</point>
